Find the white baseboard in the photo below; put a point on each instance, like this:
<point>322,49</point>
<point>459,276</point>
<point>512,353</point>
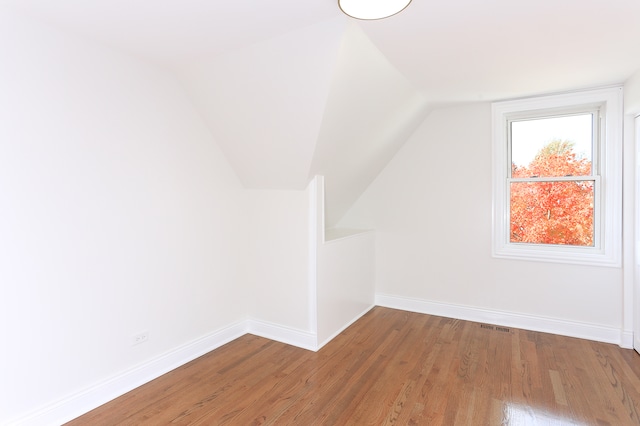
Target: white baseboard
<point>279,333</point>
<point>510,319</point>
<point>626,339</point>
<point>94,396</point>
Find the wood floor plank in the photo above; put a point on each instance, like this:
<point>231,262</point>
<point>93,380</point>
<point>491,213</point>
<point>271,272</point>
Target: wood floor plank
<point>394,368</point>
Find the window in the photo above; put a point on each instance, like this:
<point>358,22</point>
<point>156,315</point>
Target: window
<point>557,178</point>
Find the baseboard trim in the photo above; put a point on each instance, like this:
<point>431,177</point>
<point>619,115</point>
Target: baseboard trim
<point>626,339</point>
<point>510,319</point>
<point>290,336</point>
<point>94,396</point>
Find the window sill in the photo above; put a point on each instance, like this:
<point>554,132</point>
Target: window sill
<point>569,255</point>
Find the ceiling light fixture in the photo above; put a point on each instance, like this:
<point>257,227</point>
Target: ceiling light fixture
<point>372,9</point>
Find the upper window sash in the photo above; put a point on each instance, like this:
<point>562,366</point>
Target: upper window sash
<point>593,112</point>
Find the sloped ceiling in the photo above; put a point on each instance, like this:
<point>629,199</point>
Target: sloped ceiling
<point>465,50</point>
<point>290,89</point>
<point>370,111</point>
<point>264,103</point>
<point>324,102</point>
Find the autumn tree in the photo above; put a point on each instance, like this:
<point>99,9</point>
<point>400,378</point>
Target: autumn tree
<point>553,211</point>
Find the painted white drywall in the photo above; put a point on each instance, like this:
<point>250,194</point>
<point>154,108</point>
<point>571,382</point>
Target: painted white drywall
<point>118,214</point>
<point>264,102</point>
<point>431,208</point>
<point>345,268</point>
<point>632,94</point>
<point>346,282</point>
<point>275,260</point>
<point>321,100</point>
<point>371,109</point>
<point>632,174</point>
<point>633,290</point>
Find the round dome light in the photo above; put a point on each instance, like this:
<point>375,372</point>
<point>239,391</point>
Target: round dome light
<point>372,9</point>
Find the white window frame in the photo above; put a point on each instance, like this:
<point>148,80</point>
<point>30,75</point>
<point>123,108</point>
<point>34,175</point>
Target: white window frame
<point>607,249</point>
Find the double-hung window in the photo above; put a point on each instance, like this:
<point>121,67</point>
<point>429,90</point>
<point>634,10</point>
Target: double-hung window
<point>557,178</point>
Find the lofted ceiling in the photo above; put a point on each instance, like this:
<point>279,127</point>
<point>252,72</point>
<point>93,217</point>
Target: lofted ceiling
<point>290,89</point>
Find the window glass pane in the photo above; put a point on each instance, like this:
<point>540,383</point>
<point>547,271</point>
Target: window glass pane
<point>552,213</point>
<point>556,146</point>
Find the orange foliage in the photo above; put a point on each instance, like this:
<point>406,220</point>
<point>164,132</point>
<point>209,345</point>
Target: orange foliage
<point>553,212</point>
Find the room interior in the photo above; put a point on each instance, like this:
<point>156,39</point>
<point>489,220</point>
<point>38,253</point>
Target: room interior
<point>176,175</point>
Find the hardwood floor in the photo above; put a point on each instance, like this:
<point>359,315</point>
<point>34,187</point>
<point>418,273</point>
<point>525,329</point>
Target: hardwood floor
<point>395,367</point>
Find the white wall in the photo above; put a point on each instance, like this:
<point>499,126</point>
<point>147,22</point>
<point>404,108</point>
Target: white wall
<point>431,208</point>
<point>344,272</point>
<point>632,174</point>
<point>118,214</point>
<point>346,282</point>
<point>275,264</point>
<point>632,94</point>
<point>371,109</point>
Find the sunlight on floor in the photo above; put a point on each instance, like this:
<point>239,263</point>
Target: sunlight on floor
<point>525,415</point>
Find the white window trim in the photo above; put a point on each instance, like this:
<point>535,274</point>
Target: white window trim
<point>608,250</point>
